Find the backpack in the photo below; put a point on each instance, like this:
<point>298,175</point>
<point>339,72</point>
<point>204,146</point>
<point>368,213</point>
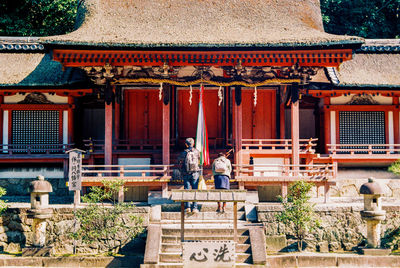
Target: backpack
<point>220,165</point>
<point>191,161</point>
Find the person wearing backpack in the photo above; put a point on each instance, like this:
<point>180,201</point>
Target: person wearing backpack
<point>222,170</point>
<point>188,161</point>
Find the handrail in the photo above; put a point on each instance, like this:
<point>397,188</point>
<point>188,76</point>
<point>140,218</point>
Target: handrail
<point>319,171</point>
<point>128,144</point>
<point>125,171</point>
<point>364,148</point>
<point>306,145</point>
<point>43,148</point>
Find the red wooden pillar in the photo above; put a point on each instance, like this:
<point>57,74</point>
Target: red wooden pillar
<point>165,134</point>
<point>238,133</point>
<point>282,116</point>
<point>165,141</point>
<point>295,134</point>
<point>396,126</point>
<point>1,120</point>
<point>117,120</point>
<point>108,110</point>
<point>282,120</point>
<point>70,120</point>
<point>327,123</point>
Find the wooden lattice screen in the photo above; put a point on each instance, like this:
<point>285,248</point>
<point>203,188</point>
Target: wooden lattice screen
<point>362,127</point>
<point>35,127</point>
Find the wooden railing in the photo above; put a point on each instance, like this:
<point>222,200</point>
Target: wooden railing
<point>94,145</point>
<point>369,149</point>
<point>213,143</point>
<point>306,145</point>
<point>34,148</point>
<point>287,172</point>
<point>123,145</point>
<point>126,172</point>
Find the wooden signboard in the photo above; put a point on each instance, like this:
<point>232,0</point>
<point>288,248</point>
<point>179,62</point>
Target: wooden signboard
<point>75,166</point>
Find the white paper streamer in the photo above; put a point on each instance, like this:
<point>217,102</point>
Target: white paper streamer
<point>160,91</point>
<point>190,95</point>
<point>255,96</point>
<point>220,96</point>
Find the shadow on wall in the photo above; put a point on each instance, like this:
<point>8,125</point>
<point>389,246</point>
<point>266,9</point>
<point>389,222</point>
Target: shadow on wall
<point>133,253</point>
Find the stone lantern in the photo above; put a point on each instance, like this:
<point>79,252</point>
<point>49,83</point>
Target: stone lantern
<point>40,210</point>
<point>372,214</point>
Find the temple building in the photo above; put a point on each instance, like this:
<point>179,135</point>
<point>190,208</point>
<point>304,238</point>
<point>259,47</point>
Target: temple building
<point>293,101</point>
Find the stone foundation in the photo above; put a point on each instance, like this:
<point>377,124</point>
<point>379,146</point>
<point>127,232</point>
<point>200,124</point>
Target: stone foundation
<point>342,228</point>
<point>16,232</point>
<point>349,181</point>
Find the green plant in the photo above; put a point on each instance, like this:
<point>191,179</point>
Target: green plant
<point>3,203</point>
<point>391,239</point>
<point>298,213</point>
<point>395,167</point>
<point>106,220</point>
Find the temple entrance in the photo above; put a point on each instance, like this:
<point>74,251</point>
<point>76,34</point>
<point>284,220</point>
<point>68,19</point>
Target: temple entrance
<point>187,116</point>
<point>258,119</point>
<point>143,117</point>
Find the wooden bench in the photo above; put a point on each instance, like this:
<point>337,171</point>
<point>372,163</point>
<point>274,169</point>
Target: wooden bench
<point>322,175</point>
<point>183,196</point>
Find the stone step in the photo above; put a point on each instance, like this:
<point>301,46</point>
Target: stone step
<point>177,257</point>
<point>203,207</point>
<point>176,239</point>
<point>202,216</point>
<point>170,257</point>
<point>177,248</point>
<point>205,231</point>
<point>180,265</point>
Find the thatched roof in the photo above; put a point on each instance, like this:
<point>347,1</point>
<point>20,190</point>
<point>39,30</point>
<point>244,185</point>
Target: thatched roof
<point>35,69</point>
<point>370,70</point>
<point>201,23</point>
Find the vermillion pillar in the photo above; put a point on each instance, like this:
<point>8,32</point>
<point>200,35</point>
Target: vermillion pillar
<point>165,133</point>
<point>295,128</point>
<point>108,127</point>
<point>238,129</point>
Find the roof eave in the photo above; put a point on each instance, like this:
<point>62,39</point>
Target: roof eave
<point>354,44</point>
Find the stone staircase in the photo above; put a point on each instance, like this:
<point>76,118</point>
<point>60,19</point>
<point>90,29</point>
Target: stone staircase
<point>205,225</point>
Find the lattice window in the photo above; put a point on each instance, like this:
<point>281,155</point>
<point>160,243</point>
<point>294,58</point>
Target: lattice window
<point>36,127</point>
<point>362,128</point>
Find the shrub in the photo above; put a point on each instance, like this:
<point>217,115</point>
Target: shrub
<point>106,220</point>
<point>3,203</point>
<point>298,212</point>
<point>395,167</point>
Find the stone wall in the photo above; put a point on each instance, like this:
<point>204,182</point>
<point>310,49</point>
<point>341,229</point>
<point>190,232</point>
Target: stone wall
<point>342,228</point>
<point>349,181</point>
<point>16,231</point>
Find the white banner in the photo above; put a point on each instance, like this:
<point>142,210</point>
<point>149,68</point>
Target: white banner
<point>74,175</point>
<point>209,254</point>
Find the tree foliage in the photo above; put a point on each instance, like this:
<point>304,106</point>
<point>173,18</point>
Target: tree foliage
<point>298,213</point>
<point>3,203</point>
<point>395,167</point>
<point>106,220</point>
<point>37,17</point>
<point>365,18</point>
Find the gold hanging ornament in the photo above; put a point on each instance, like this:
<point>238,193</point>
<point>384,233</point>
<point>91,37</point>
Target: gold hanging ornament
<point>160,91</point>
<point>220,95</point>
<point>255,96</point>
<point>190,95</point>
